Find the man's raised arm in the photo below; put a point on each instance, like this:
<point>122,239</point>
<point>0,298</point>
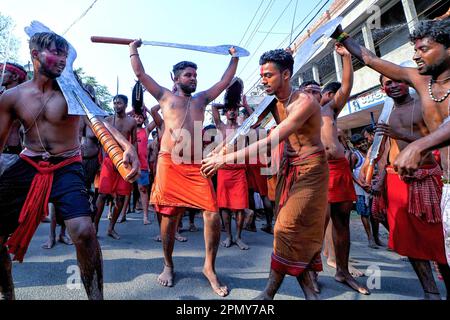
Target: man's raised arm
<point>341,97</point>
<point>154,112</point>
<point>370,59</point>
<point>216,114</point>
<point>148,82</point>
<point>212,93</point>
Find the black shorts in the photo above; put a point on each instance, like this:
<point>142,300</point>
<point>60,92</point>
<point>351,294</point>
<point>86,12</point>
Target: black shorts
<point>91,166</point>
<point>69,194</point>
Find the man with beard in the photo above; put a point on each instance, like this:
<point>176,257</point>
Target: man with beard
<point>49,168</point>
<point>413,210</point>
<point>13,76</point>
<point>431,79</point>
<point>301,197</point>
<point>179,184</point>
<point>111,182</point>
<point>232,187</point>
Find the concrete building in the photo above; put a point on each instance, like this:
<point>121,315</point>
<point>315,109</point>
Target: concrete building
<point>382,26</point>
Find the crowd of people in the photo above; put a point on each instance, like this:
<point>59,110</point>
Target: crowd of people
<point>53,165</point>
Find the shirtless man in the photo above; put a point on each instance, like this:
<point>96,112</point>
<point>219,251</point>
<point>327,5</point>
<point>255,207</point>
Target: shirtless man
<point>302,184</point>
<point>232,188</point>
<point>412,210</point>
<point>181,111</point>
<point>111,183</point>
<point>51,142</point>
<point>13,76</point>
<point>431,79</point>
<point>341,192</point>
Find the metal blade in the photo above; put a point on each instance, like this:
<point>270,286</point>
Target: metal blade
<point>319,38</point>
<point>67,81</point>
<point>220,49</point>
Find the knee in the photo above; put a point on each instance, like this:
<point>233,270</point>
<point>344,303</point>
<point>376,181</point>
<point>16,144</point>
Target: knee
<point>143,189</point>
<point>209,216</point>
<point>83,234</point>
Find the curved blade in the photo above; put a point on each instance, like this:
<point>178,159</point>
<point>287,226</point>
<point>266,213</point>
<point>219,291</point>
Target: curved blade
<point>319,38</point>
<point>67,81</point>
<point>220,49</point>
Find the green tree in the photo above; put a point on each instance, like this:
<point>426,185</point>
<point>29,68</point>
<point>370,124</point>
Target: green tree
<point>10,52</point>
<point>102,93</point>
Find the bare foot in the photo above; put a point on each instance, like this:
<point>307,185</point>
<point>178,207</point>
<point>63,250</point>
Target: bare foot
<point>157,238</point>
<point>49,244</point>
<point>372,244</point>
<point>241,244</point>
<point>66,240</point>
<point>123,219</point>
<point>355,272</point>
<point>226,243</point>
<point>331,263</point>
<point>217,287</point>
<point>267,228</point>
<point>178,237</point>
<point>250,228</point>
<point>352,283</point>
<point>380,243</point>
<point>109,216</point>
<point>193,228</point>
<point>431,296</point>
<point>146,221</point>
<point>113,235</point>
<point>166,277</point>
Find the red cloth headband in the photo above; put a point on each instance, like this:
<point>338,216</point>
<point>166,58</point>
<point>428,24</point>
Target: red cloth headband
<point>21,73</point>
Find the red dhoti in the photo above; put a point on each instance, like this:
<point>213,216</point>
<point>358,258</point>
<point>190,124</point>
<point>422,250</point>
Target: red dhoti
<point>256,181</point>
<point>232,188</point>
<point>302,205</point>
<point>111,182</point>
<point>411,232</point>
<point>180,186</point>
<point>340,186</point>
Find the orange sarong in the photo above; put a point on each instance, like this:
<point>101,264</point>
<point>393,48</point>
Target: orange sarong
<point>232,188</point>
<point>181,186</point>
<point>302,205</point>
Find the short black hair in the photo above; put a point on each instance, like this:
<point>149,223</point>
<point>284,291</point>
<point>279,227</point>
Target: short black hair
<point>124,98</point>
<point>438,30</point>
<point>282,59</point>
<point>179,67</point>
<point>332,87</point>
<point>370,129</point>
<point>308,83</point>
<point>381,79</point>
<point>356,138</point>
<point>43,40</point>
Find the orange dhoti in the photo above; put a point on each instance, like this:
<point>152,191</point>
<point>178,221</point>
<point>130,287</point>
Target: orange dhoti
<point>180,186</point>
<point>232,188</point>
<point>302,205</point>
<point>412,233</point>
<point>340,186</point>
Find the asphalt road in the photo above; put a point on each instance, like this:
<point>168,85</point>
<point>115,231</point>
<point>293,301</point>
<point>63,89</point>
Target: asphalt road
<point>132,264</point>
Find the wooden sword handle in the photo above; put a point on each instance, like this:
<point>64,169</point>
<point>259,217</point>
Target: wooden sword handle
<point>112,40</point>
<point>111,147</point>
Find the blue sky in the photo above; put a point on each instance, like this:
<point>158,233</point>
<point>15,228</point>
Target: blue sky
<point>197,22</point>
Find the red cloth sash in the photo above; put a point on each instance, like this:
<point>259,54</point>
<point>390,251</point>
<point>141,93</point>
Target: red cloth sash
<point>425,193</point>
<point>35,208</point>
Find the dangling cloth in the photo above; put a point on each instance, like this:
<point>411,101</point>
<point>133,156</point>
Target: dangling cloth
<point>425,194</point>
<point>232,187</point>
<point>302,200</point>
<point>379,205</point>
<point>35,208</point>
